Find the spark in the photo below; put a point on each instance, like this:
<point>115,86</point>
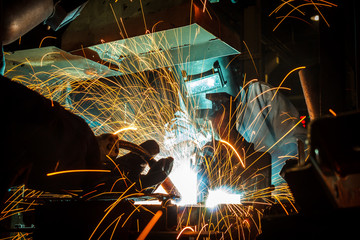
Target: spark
<point>150,225</point>
<point>237,154</point>
<point>111,207</point>
<point>137,106</point>
<point>269,90</point>
<point>295,69</point>
<point>117,221</point>
<point>117,22</point>
<point>122,23</point>
<point>183,230</point>
<point>252,59</point>
<point>125,129</point>
<point>143,15</point>
<point>202,229</point>
<point>297,8</point>
<point>315,5</point>
<point>281,138</point>
<point>42,40</point>
<point>204,8</point>
<point>78,171</point>
<point>332,112</point>
<point>284,3</point>
<point>294,17</point>
<point>282,205</point>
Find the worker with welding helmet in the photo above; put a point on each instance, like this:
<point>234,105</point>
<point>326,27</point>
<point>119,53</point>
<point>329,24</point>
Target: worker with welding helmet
<point>263,118</point>
<point>269,120</point>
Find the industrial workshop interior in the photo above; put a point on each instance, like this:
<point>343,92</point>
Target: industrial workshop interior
<point>182,119</point>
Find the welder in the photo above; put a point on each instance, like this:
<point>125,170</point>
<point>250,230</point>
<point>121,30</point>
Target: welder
<point>264,117</point>
<point>138,166</point>
<point>42,136</point>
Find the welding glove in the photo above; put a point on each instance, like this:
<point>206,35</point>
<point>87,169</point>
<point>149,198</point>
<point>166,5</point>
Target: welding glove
<point>133,164</point>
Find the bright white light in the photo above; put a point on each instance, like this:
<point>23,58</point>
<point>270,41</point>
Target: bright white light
<point>184,178</point>
<point>211,82</point>
<point>315,18</point>
<point>222,196</point>
<point>203,84</point>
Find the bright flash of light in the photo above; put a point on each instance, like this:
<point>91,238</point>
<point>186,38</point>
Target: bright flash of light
<point>222,196</point>
<point>185,179</point>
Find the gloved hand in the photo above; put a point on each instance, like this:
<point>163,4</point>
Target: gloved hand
<point>158,172</point>
<point>134,163</point>
<point>164,165</point>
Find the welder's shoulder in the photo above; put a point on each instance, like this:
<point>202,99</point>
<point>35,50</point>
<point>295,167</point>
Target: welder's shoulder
<point>258,86</point>
<point>260,90</point>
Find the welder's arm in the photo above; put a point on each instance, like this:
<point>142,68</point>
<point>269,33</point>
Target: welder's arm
<point>158,172</point>
<point>269,120</point>
<point>284,118</point>
<point>133,164</point>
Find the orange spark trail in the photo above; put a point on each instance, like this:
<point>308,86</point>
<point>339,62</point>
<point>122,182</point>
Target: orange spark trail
<point>150,225</point>
<point>297,7</point>
<point>77,171</point>
<point>278,140</point>
<point>320,13</point>
<point>332,112</point>
<point>252,59</point>
<point>237,154</point>
<point>183,230</point>
<point>295,69</point>
<point>125,129</point>
<point>42,40</point>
